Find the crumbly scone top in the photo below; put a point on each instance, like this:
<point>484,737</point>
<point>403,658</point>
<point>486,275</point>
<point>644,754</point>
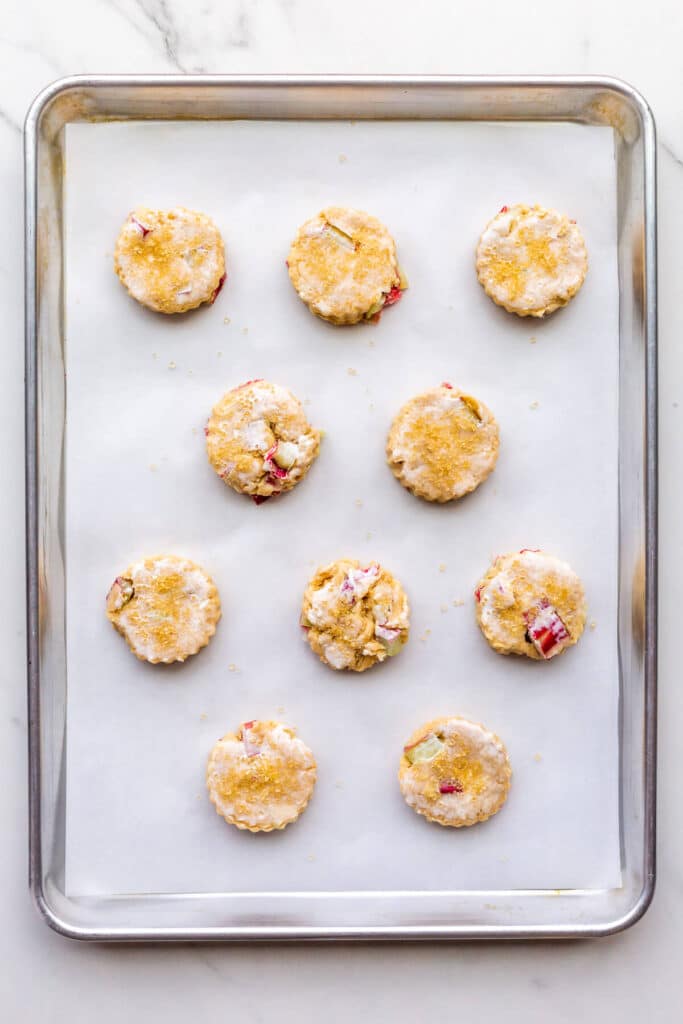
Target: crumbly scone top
<point>170,260</point>
<point>443,443</point>
<point>258,439</point>
<point>343,264</point>
<point>531,260</point>
<point>355,615</point>
<point>464,776</point>
<point>522,588</point>
<point>166,607</point>
<point>260,777</point>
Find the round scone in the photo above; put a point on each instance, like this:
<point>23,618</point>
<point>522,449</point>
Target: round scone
<point>170,260</point>
<point>261,777</point>
<point>530,603</point>
<point>259,441</point>
<point>454,772</point>
<point>354,616</point>
<point>442,444</point>
<point>530,260</point>
<point>343,265</point>
<point>166,608</point>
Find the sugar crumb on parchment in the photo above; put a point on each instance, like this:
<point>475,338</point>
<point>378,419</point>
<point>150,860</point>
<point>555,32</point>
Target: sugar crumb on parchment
<point>194,431</point>
<point>532,341</point>
<point>280,710</point>
<point>538,758</point>
<point>219,354</point>
<point>442,567</point>
<point>457,603</point>
<point>153,467</point>
<point>358,503</point>
<point>342,158</point>
<point>203,717</point>
<point>592,624</point>
<point>226,320</point>
<point>232,668</point>
<point>352,372</point>
<point>444,609</point>
<point>534,405</point>
<point>155,355</point>
<point>245,330</point>
<point>368,535</point>
<point>172,365</point>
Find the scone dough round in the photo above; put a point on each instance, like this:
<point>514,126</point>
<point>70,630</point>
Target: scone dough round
<point>170,260</point>
<point>442,444</point>
<point>354,616</point>
<point>454,772</point>
<point>531,260</point>
<point>259,441</point>
<point>343,265</point>
<point>261,777</point>
<point>530,603</point>
<point>166,608</point>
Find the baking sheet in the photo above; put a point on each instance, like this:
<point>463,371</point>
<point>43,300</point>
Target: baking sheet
<point>139,389</point>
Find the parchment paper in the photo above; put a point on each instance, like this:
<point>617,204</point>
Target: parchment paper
<point>140,387</point>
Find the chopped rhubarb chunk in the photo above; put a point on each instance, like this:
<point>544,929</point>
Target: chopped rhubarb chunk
<point>206,431</point>
<point>271,465</point>
<point>546,629</point>
<point>388,633</point>
<point>424,750</point>
<point>357,582</point>
<point>477,594</point>
<point>450,787</point>
<point>141,227</point>
<point>445,384</point>
<point>256,380</point>
<point>251,749</point>
<point>393,296</point>
<point>503,209</point>
<point>533,550</point>
<point>218,288</point>
<point>258,499</point>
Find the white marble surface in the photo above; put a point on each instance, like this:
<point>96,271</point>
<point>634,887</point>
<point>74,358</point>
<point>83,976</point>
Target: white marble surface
<point>45,978</point>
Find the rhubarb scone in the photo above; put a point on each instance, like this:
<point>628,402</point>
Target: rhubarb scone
<point>442,444</point>
<point>166,608</point>
<point>259,441</point>
<point>170,260</point>
<point>261,777</point>
<point>531,260</point>
<point>343,265</point>
<point>354,616</point>
<point>530,603</point>
<point>454,772</point>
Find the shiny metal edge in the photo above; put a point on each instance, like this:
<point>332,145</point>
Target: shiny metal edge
<point>370,933</point>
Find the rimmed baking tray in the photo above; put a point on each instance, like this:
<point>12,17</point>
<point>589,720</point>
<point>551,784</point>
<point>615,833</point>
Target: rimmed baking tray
<point>367,911</point>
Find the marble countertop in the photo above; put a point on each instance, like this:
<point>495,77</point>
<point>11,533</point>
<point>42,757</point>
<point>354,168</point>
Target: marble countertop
<point>46,978</point>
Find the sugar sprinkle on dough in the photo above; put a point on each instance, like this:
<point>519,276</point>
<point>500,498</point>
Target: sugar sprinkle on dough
<point>454,772</point>
<point>259,441</point>
<point>261,777</point>
<point>166,607</point>
<point>531,260</point>
<point>530,603</point>
<point>343,265</point>
<point>354,616</point>
<point>170,260</point>
<point>442,444</point>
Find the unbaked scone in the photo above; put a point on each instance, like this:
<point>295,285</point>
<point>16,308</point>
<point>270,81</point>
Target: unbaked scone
<point>170,260</point>
<point>354,616</point>
<point>166,607</point>
<point>343,265</point>
<point>442,444</point>
<point>454,772</point>
<point>259,441</point>
<point>531,260</point>
<point>261,777</point>
<point>530,603</point>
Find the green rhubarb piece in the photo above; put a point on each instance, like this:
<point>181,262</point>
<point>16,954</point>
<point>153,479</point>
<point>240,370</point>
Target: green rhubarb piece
<point>424,750</point>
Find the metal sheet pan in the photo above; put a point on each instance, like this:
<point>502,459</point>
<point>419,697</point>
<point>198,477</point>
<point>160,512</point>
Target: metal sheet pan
<point>342,914</point>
